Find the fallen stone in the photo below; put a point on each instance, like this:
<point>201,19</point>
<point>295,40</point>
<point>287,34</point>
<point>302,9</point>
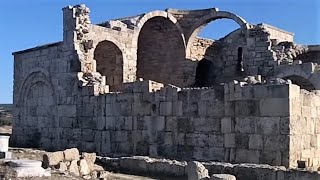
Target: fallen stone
<point>86,177</point>
<point>73,168</point>
<point>97,168</point>
<point>196,171</point>
<point>222,177</point>
<point>90,158</point>
<point>62,166</point>
<point>5,155</point>
<point>103,174</point>
<point>94,175</point>
<point>52,158</point>
<point>28,168</point>
<point>84,168</point>
<point>71,154</point>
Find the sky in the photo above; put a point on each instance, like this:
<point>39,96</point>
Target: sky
<point>29,23</point>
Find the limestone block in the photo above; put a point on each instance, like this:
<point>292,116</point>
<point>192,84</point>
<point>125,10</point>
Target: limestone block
<point>83,167</point>
<point>110,123</point>
<point>52,159</point>
<point>216,140</point>
<point>71,154</point>
<point>62,166</point>
<point>5,155</point>
<point>171,124</point>
<point>248,156</point>
<point>229,140</point>
<point>90,158</point>
<point>207,124</point>
<point>245,125</point>
<point>73,168</point>
<point>196,171</point>
<point>177,108</point>
<point>227,125</point>
<point>67,110</point>
<point>222,177</point>
<point>247,108</point>
<point>268,125</point>
<point>165,108</point>
<point>271,157</point>
<point>255,142</point>
<point>274,107</point>
<point>201,140</point>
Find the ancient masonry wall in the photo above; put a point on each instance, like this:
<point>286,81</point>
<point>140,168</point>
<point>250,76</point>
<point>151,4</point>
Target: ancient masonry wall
<point>305,128</point>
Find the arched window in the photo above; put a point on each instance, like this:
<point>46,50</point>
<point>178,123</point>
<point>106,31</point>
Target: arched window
<point>109,62</point>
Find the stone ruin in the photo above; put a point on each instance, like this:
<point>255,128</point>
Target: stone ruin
<point>148,85</point>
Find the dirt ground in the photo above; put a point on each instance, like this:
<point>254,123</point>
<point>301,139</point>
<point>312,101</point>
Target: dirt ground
<point>34,154</point>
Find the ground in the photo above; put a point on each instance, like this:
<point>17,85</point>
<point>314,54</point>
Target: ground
<point>34,154</point>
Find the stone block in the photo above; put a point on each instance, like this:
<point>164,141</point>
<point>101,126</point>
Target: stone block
<point>52,159</point>
<point>247,156</point>
<point>271,157</point>
<point>83,167</point>
<point>71,154</point>
<point>275,107</point>
<point>171,124</point>
<point>73,168</point>
<point>222,177</point>
<point>255,142</point>
<point>67,110</point>
<point>245,125</point>
<point>5,155</point>
<point>165,108</point>
<point>196,170</point>
<point>227,125</point>
<point>185,124</point>
<point>229,140</point>
<point>268,125</point>
<point>62,166</point>
<point>247,108</point>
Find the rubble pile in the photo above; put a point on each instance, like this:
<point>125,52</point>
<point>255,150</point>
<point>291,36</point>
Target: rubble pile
<point>71,161</point>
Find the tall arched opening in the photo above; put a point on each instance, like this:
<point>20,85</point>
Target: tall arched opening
<point>161,52</point>
<point>109,62</point>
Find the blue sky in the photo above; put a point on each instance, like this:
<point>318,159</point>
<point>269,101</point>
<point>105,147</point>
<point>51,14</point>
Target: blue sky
<point>25,24</point>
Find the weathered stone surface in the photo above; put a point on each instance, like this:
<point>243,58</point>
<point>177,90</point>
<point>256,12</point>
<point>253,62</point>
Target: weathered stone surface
<point>222,177</point>
<point>62,166</point>
<point>52,159</point>
<point>73,168</point>
<point>71,154</point>
<point>90,158</point>
<point>83,167</point>
<point>196,171</point>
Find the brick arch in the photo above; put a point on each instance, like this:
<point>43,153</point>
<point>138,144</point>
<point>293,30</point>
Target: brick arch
<point>143,19</point>
<point>109,60</point>
<point>203,21</point>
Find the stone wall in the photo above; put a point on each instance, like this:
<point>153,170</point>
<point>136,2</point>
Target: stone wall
<point>234,125</point>
<point>304,128</point>
<point>277,33</point>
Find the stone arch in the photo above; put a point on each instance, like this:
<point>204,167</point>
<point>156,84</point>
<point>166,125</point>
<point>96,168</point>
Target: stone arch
<point>301,81</point>
<point>160,49</point>
<point>308,81</point>
<point>36,110</point>
<point>109,63</point>
<point>159,13</point>
<point>203,21</point>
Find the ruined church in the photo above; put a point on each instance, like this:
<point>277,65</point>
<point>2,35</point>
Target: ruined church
<point>149,85</point>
